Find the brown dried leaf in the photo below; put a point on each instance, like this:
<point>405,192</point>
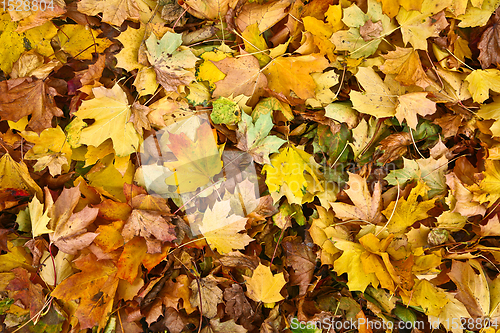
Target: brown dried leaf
<point>243,76</point>
<point>394,146</point>
<point>489,45</point>
<point>25,96</point>
<point>211,295</point>
<point>148,224</point>
<point>237,304</point>
<point>31,295</point>
<point>174,321</point>
<point>370,31</point>
<point>405,64</point>
<point>303,261</point>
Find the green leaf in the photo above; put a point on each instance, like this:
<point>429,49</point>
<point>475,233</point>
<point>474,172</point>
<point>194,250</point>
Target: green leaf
<point>254,139</point>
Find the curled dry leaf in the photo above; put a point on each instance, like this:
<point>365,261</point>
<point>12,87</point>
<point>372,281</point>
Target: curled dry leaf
<point>150,225</point>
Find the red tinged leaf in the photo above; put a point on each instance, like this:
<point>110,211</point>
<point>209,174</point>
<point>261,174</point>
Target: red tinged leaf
<point>30,294</point>
<point>26,96</point>
<point>94,287</point>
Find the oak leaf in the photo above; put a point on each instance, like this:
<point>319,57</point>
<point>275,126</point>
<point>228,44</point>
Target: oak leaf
<point>264,286</point>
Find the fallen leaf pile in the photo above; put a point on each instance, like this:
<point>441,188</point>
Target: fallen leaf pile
<point>249,166</point>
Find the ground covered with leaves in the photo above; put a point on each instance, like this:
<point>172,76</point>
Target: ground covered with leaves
<point>249,166</point>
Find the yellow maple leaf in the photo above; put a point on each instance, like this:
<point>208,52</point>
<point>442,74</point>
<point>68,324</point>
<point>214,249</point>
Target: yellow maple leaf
<point>14,43</point>
<point>417,26</point>
<point>412,104</point>
<point>80,42</point>
<point>322,32</point>
<point>323,230</point>
<point>263,286</point>
<point>39,219</point>
<point>287,74</point>
<point>350,263</point>
<point>431,298</point>
<point>106,178</point>
<point>197,161</point>
<point>256,44</point>
<point>113,12</point>
<point>378,100</point>
<point>405,63</point>
<point>16,175</point>
<point>477,13</point>
<point>489,187</point>
<point>111,112</point>
<point>128,57</point>
<point>207,71</point>
<point>366,207</point>
<point>94,286</point>
<point>391,7</point>
<point>286,175</point>
<point>408,211</point>
<point>222,231</point>
<point>366,30</point>
<point>51,149</point>
<point>481,81</point>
